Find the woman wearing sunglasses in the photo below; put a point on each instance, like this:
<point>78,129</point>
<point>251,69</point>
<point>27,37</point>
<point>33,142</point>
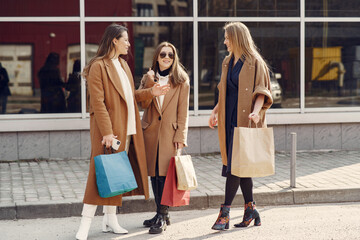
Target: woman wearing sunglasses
<point>164,123</point>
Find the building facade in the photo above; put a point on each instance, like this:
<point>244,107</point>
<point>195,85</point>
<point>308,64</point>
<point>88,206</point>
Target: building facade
<point>312,47</point>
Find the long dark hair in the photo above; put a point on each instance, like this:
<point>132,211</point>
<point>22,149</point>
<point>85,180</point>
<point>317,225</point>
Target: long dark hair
<point>106,44</point>
<point>178,74</point>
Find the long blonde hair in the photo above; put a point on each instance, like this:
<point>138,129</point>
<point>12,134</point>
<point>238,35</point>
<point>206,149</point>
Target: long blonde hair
<point>106,44</point>
<point>178,74</point>
<point>241,41</point>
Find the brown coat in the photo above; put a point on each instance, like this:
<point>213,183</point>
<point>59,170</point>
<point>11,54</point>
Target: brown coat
<point>251,72</point>
<point>108,115</point>
<point>162,128</point>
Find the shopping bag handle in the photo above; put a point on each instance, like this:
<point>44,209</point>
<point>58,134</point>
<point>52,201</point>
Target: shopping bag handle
<point>250,121</point>
<point>106,151</point>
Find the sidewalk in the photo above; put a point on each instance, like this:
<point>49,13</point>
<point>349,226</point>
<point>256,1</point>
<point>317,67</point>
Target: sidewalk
<point>55,188</point>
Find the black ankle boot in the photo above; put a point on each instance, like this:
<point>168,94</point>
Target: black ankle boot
<point>160,225</point>
<point>152,221</point>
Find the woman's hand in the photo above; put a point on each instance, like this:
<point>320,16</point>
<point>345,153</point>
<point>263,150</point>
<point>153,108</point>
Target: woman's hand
<point>179,145</point>
<point>158,90</point>
<point>254,117</point>
<point>107,140</point>
<point>213,118</point>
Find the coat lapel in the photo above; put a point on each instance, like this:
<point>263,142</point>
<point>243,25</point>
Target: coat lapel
<point>114,76</point>
<point>168,97</point>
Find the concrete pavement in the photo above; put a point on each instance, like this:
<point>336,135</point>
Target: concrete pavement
<point>340,221</point>
<point>55,187</point>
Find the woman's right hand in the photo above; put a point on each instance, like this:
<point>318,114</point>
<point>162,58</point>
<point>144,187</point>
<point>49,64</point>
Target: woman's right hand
<point>212,120</point>
<point>158,90</point>
<point>107,140</point>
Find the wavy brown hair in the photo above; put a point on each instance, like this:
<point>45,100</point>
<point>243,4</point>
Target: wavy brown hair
<point>106,44</point>
<point>178,73</point>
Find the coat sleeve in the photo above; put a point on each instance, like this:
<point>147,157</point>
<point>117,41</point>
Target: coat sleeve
<point>182,114</point>
<point>97,100</point>
<point>143,94</point>
<point>262,85</point>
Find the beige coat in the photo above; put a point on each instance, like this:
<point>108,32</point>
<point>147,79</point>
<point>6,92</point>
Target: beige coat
<point>163,127</point>
<point>251,72</point>
<point>108,115</point>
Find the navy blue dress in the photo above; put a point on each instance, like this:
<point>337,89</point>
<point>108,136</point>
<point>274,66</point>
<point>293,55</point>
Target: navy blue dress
<point>232,86</point>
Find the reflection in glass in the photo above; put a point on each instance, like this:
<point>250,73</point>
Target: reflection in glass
<point>138,8</point>
<point>37,78</point>
<point>144,38</point>
<point>332,76</point>
<point>332,8</point>
<point>249,8</point>
<point>279,45</point>
<point>21,8</point>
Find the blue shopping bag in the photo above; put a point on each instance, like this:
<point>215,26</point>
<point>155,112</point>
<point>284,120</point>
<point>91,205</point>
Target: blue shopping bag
<point>114,175</point>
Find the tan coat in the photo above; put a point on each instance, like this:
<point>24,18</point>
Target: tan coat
<point>251,72</point>
<point>108,115</point>
<point>163,127</point>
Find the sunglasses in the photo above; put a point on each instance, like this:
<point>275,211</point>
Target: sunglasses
<point>163,55</point>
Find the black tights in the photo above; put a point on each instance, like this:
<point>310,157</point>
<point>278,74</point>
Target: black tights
<point>232,185</point>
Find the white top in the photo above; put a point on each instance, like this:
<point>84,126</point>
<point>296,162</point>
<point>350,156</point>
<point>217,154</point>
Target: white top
<point>129,98</point>
<point>162,81</point>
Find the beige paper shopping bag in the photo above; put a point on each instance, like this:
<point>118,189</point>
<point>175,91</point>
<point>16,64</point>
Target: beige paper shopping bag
<point>253,152</point>
<point>185,171</point>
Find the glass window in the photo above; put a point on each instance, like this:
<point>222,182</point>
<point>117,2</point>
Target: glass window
<point>39,63</point>
<point>144,38</point>
<point>332,76</point>
<point>139,8</point>
<point>21,8</point>
<point>333,8</point>
<point>279,45</point>
<point>249,8</point>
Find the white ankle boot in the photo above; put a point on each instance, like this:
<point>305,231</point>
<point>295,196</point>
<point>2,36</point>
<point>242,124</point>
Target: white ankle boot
<point>88,213</point>
<point>110,222</point>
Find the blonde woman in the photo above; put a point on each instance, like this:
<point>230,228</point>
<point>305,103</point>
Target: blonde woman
<point>165,122</point>
<point>113,115</point>
<point>244,93</point>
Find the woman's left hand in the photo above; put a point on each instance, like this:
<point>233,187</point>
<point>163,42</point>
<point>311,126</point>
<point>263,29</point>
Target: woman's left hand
<point>255,117</point>
<point>179,145</point>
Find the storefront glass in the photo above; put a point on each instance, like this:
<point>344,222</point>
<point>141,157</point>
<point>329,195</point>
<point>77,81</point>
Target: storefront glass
<point>138,8</point>
<point>332,68</point>
<point>38,59</point>
<point>249,8</point>
<point>332,8</point>
<point>21,8</point>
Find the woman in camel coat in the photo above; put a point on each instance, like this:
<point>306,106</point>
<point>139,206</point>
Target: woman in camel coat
<point>244,94</point>
<point>165,122</point>
<point>113,115</point>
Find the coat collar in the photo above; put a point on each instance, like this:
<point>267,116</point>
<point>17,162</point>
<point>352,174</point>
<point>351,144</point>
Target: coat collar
<point>114,76</point>
<point>249,63</point>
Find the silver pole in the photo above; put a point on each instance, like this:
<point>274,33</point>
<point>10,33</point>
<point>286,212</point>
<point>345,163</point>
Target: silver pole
<point>293,161</point>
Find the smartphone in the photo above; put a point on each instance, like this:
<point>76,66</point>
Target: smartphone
<point>115,144</point>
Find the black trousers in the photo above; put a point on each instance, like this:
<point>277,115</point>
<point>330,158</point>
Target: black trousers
<point>157,184</point>
<point>232,185</point>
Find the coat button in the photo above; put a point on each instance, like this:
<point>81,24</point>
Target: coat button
<point>246,89</point>
<point>159,118</point>
<point>243,110</point>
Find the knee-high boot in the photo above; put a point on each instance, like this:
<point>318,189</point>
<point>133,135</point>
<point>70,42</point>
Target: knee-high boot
<point>110,222</point>
<point>88,213</point>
